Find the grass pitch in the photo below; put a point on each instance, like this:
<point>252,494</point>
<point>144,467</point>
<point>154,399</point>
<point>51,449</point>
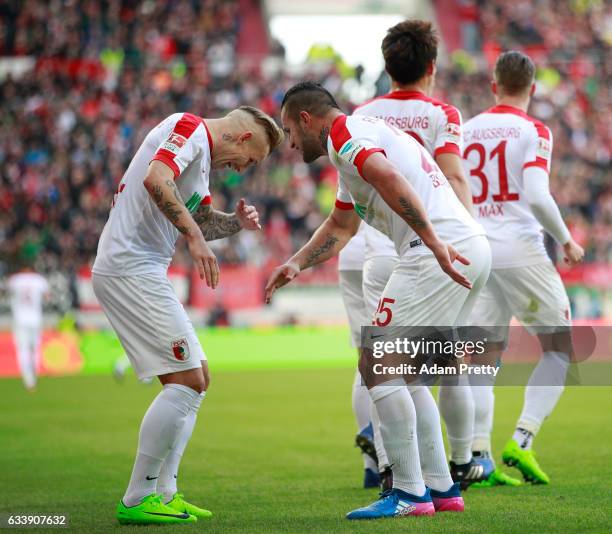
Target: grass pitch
<point>272,452</point>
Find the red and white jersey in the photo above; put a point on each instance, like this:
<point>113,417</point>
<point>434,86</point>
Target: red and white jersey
<point>352,140</point>
<point>26,291</point>
<point>434,124</point>
<point>138,238</point>
<point>499,144</point>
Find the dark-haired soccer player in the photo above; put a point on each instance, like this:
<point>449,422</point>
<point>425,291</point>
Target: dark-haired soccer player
<point>163,194</point>
<point>393,184</point>
<point>508,157</point>
<point>410,50</point>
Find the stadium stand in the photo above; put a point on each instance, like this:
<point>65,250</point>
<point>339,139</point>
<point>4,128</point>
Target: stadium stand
<point>106,72</point>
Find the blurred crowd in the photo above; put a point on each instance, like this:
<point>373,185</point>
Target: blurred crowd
<point>107,72</point>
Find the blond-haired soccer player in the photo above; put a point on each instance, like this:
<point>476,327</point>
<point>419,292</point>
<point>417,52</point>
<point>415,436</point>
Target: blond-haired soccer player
<point>163,194</point>
<point>507,157</point>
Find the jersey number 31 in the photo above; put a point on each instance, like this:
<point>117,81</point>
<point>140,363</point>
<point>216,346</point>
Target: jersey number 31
<point>499,151</point>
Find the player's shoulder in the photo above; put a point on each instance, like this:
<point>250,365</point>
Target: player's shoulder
<point>346,127</point>
<point>520,117</point>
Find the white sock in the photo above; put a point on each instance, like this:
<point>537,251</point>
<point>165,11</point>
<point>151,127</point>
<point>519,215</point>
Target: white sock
<point>457,409</point>
<point>431,444</point>
<point>398,429</point>
<point>26,358</point>
<point>158,432</point>
<point>523,437</point>
<point>484,407</point>
<point>361,409</point>
<point>381,453</point>
<point>543,390</point>
<point>166,484</point>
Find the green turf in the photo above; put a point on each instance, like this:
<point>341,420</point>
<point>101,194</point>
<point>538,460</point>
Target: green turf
<point>272,452</point>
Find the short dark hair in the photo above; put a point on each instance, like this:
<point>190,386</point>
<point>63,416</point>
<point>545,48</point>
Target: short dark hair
<point>408,48</point>
<point>308,96</point>
<point>514,72</point>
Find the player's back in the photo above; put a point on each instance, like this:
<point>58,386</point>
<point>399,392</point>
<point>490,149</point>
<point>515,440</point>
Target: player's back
<point>351,136</point>
<point>27,290</point>
<point>436,125</point>
<point>433,123</point>
<point>499,144</point>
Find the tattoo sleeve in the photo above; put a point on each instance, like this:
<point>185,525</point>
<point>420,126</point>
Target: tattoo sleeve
<point>216,224</point>
<point>314,255</point>
<point>172,208</point>
<point>411,214</point>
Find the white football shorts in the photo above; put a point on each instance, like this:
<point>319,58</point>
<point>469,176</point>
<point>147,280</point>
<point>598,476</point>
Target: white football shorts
<point>376,273</point>
<point>151,323</point>
<point>419,293</point>
<point>534,294</point>
<point>352,298</point>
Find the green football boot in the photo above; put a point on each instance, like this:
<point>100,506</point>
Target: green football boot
<point>525,461</point>
<point>498,478</point>
<point>152,511</point>
<point>180,505</point>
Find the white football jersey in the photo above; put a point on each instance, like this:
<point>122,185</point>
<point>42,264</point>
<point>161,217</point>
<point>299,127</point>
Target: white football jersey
<point>499,144</point>
<point>352,140</point>
<point>26,291</point>
<point>138,238</point>
<point>434,124</point>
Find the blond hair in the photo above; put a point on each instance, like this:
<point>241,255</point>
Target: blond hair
<point>274,133</point>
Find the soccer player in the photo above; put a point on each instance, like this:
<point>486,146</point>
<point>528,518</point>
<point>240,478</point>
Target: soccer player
<point>410,49</point>
<point>27,290</point>
<point>393,184</point>
<point>350,268</point>
<point>163,194</point>
<point>507,156</point>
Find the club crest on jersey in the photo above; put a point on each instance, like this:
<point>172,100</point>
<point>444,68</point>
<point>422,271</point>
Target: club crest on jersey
<point>174,143</point>
<point>180,349</point>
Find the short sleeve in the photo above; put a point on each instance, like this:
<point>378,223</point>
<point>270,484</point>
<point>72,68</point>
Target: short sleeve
<point>343,197</point>
<point>352,150</point>
<point>449,132</point>
<point>181,146</point>
<point>539,149</point>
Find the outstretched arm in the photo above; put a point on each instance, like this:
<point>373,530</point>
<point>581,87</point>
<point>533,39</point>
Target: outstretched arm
<point>329,239</point>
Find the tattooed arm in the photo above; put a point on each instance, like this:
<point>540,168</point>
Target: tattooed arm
<point>160,185</point>
<point>401,197</point>
<point>216,224</point>
<point>329,239</point>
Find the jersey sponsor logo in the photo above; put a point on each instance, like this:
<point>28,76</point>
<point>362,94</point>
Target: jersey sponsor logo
<point>174,143</point>
<point>361,210</point>
<point>180,349</point>
<point>193,202</point>
<point>543,150</point>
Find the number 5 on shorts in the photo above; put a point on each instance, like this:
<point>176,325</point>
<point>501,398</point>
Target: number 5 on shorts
<point>384,309</point>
